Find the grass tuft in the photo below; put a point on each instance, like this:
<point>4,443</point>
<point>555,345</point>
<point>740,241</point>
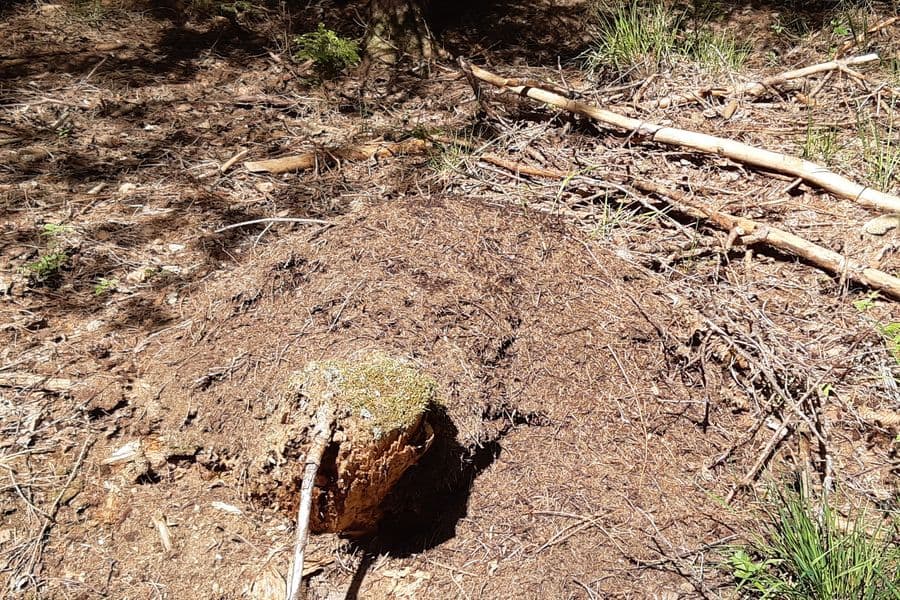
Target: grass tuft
<point>647,38</point>
<point>635,37</point>
<point>808,553</point>
<point>881,151</point>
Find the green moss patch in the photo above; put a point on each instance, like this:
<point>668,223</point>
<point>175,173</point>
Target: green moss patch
<point>382,392</point>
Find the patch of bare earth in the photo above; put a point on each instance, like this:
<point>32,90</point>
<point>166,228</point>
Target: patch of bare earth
<point>608,372</point>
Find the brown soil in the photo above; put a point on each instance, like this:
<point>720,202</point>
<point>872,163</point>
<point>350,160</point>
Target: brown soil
<point>605,378</point>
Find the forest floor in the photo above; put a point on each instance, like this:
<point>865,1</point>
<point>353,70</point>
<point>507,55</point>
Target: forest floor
<point>621,387</point>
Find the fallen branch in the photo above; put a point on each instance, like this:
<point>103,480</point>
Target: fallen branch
<point>321,437</point>
<point>737,151</point>
<point>754,89</point>
<point>858,39</point>
<point>746,230</point>
<point>755,232</point>
<point>310,160</point>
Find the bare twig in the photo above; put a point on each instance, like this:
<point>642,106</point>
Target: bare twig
<point>275,220</point>
<point>230,162</point>
<point>50,515</point>
<point>356,152</point>
<point>781,432</point>
<point>755,89</point>
<point>321,437</point>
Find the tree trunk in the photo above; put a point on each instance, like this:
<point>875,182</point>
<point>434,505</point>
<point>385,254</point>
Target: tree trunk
<point>397,30</point>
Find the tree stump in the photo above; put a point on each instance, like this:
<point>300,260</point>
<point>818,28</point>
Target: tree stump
<point>380,430</point>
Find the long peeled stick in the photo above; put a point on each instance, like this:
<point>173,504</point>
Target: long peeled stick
<point>737,151</point>
<point>321,437</point>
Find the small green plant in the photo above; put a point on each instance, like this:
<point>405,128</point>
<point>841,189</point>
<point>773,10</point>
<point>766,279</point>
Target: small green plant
<point>52,230</point>
<point>840,27</point>
<point>791,24</point>
<point>867,303</point>
<point>105,285</point>
<point>47,265</point>
<point>891,334</point>
<point>330,52</point>
<point>807,553</point>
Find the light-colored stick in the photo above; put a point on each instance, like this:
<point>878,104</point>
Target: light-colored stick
<point>861,37</point>
<point>309,160</point>
<point>321,437</point>
<point>754,89</point>
<point>275,220</point>
<point>230,162</point>
<point>810,172</point>
<point>30,380</point>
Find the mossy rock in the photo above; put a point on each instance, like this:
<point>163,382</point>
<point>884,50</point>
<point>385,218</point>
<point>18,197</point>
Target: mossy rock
<point>381,430</point>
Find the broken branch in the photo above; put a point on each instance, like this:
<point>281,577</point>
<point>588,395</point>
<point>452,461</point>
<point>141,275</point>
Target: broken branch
<point>746,231</point>
<point>810,172</point>
<point>754,89</point>
<point>759,233</point>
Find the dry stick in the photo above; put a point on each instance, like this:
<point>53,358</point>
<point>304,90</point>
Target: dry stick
<point>275,220</point>
<point>777,238</point>
<point>758,88</point>
<point>310,160</point>
<point>321,437</point>
<point>520,168</point>
<point>861,37</point>
<point>230,162</point>
<point>38,551</point>
<point>31,380</point>
<point>709,144</point>
<point>776,438</point>
<point>751,231</point>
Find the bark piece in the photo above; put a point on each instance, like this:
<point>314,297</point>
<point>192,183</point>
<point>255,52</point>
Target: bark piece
<point>881,225</point>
